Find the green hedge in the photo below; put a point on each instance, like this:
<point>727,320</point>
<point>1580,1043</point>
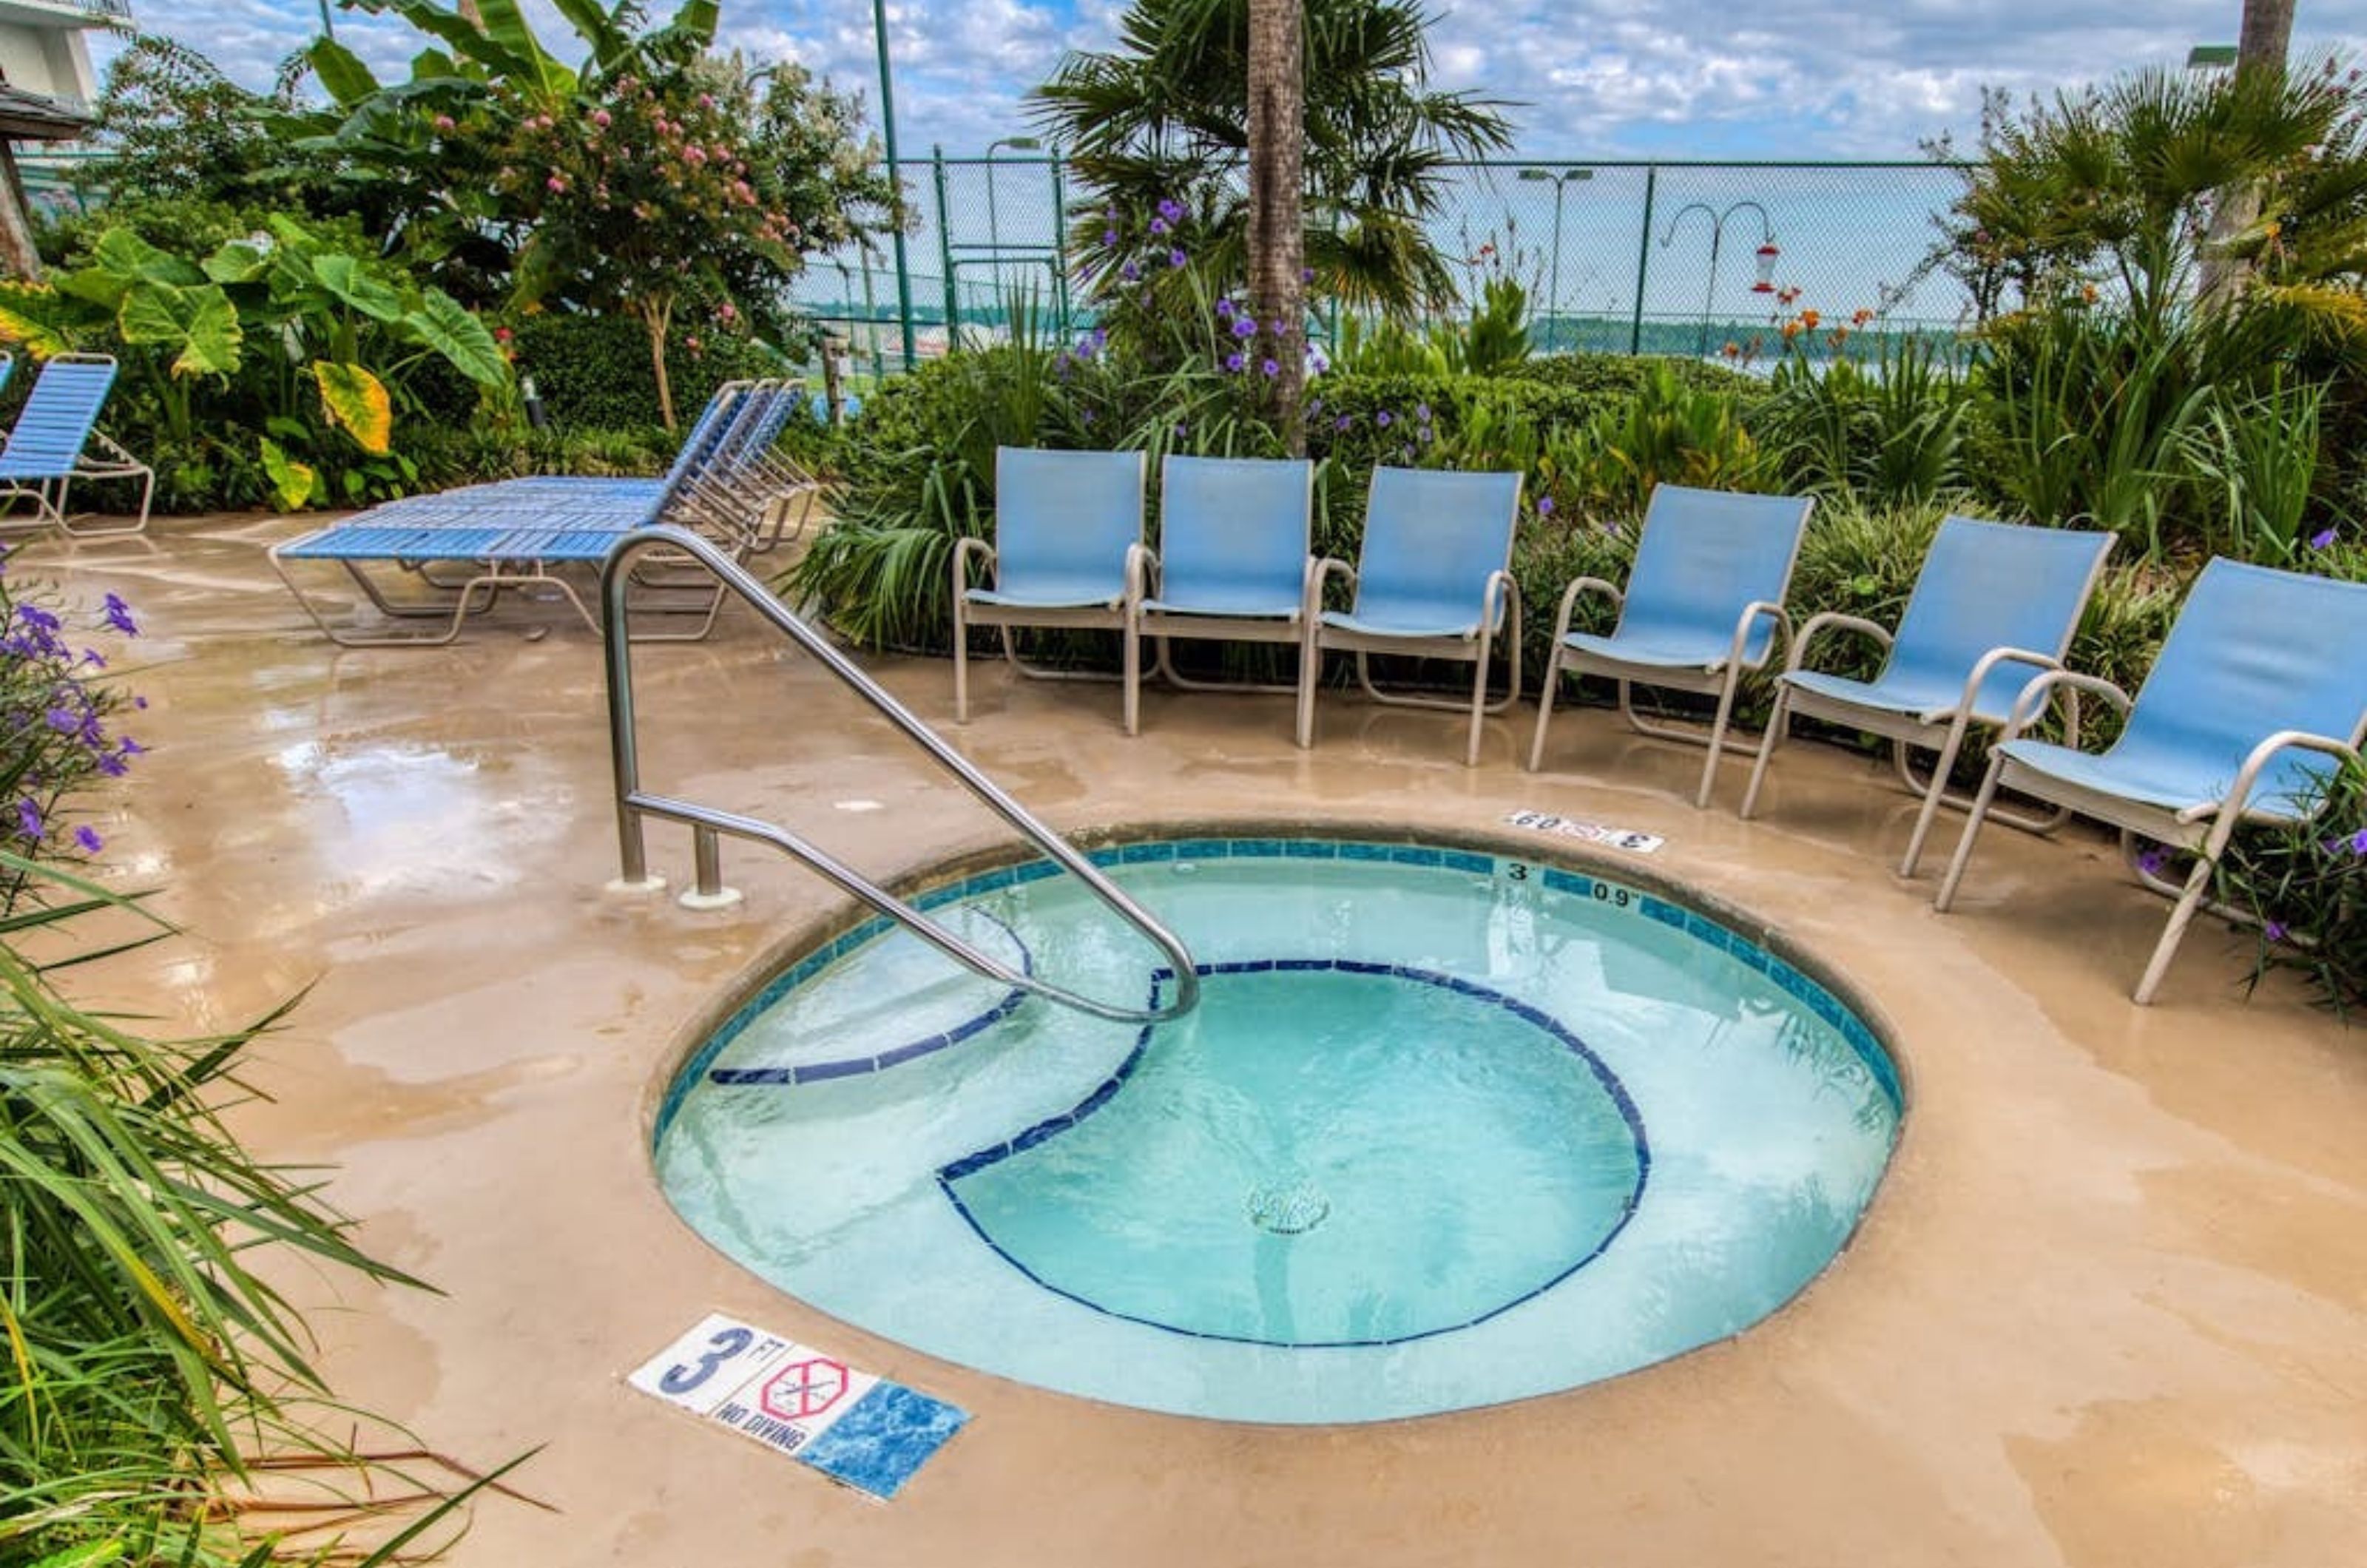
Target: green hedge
<point>1621,374</point>
<point>594,371</point>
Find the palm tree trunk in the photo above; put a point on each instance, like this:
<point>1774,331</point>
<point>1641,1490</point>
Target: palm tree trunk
<point>2261,46</point>
<point>1277,237</point>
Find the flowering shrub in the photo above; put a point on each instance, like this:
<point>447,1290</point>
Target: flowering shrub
<point>56,729</point>
<point>2307,885</point>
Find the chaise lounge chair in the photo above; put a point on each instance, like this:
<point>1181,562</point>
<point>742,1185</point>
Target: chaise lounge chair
<point>50,447</point>
<point>2259,690</point>
<point>1432,579</point>
<point>1232,562</point>
<point>1994,604</point>
<point>1703,604</point>
<point>1066,525</point>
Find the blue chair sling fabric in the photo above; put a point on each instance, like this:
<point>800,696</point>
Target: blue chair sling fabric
<point>49,445</point>
<point>2259,693</point>
<point>1232,563</point>
<point>1432,579</point>
<point>1996,601</point>
<point>1065,525</point>
<point>1704,560</point>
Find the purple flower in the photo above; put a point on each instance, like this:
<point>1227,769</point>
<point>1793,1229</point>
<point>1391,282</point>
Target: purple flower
<point>2359,842</point>
<point>1307,275</point>
<point>1340,423</point>
<point>1545,507</point>
<point>28,821</point>
<point>1244,327</point>
<point>1129,272</point>
<point>2274,931</point>
<point>1235,361</point>
<point>1384,419</point>
<point>1421,412</point>
<point>118,616</point>
<point>1175,258</point>
<point>1171,210</point>
<point>1109,238</point>
<point>1225,307</point>
<point>2322,540</point>
<point>63,722</point>
<point>1159,225</point>
<point>2152,858</point>
<point>1270,369</point>
<point>1181,425</point>
<point>87,836</point>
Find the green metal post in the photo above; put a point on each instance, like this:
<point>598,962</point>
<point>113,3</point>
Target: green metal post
<point>1060,250</point>
<point>895,182</point>
<point>1643,260</point>
<point>871,319</point>
<point>945,250</point>
<point>1553,296</point>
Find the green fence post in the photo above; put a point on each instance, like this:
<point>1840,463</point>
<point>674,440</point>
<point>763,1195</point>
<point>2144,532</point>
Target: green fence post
<point>1643,259</point>
<point>946,249</point>
<point>1060,251</point>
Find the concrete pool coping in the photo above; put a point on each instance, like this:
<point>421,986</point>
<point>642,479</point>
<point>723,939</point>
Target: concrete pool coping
<point>2110,1306</point>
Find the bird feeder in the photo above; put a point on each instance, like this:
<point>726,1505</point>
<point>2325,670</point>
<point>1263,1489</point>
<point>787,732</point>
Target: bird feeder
<point>1767,254</point>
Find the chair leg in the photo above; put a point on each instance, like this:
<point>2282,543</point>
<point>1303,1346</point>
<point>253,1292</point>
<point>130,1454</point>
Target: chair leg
<point>1718,736</point>
<point>1479,697</point>
<point>961,658</point>
<point>2174,931</point>
<point>1131,661</point>
<point>1779,724</point>
<point>1311,671</point>
<point>1544,708</point>
<point>1973,820</point>
<point>1933,796</point>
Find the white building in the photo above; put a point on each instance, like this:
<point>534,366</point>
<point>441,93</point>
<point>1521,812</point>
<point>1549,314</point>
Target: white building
<point>42,49</point>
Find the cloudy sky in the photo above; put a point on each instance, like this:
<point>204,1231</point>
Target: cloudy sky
<point>1589,78</point>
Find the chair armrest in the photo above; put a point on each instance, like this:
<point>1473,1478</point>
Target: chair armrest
<point>2232,805</point>
<point>1320,573</point>
<point>1310,591</point>
<point>1831,620</point>
<point>965,550</point>
<point>1501,590</point>
<point>1756,610</point>
<point>1141,573</point>
<point>2031,700</point>
<point>1987,662</point>
<point>1570,602</point>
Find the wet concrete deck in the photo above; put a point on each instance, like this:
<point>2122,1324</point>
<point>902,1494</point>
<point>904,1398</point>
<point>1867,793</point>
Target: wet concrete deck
<point>2110,1306</point>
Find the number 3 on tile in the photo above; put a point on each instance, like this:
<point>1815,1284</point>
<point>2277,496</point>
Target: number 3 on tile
<point>721,1347</point>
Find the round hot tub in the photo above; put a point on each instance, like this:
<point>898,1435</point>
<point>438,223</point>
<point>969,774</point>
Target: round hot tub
<point>1447,1128</point>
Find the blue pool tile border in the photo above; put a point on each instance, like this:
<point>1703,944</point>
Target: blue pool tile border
<point>1807,991</point>
<point>1052,1126</point>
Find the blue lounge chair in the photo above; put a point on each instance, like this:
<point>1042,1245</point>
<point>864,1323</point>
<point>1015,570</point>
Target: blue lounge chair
<point>1994,604</point>
<point>53,445</point>
<point>1432,579</point>
<point>523,536</point>
<point>2258,693</point>
<point>1703,604</point>
<point>1232,562</point>
<point>1065,528</point>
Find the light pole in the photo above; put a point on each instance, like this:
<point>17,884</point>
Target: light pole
<point>895,184</point>
<point>1561,184</point>
<point>1716,237</point>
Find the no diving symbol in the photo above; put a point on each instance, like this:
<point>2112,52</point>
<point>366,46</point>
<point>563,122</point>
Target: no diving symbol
<point>803,1389</point>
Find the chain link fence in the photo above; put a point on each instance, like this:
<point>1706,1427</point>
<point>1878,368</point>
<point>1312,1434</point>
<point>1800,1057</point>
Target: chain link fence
<point>1617,257</point>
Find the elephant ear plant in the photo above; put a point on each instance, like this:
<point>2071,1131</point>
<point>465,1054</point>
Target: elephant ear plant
<point>156,1401</point>
<point>300,327</point>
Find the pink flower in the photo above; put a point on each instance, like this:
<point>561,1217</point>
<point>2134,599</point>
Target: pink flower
<point>555,183</point>
<point>726,311</point>
<point>602,119</point>
<point>444,122</point>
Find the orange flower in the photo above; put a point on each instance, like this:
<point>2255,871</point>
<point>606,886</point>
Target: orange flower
<point>2087,292</point>
<point>1791,330</point>
<point>1733,350</point>
<point>1861,317</point>
<point>1809,319</point>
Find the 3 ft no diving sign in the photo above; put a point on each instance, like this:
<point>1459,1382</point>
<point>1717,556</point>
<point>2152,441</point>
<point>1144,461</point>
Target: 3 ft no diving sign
<point>850,1425</point>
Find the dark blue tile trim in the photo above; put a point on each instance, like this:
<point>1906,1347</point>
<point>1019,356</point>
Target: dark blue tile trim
<point>970,1164</point>
<point>1808,992</point>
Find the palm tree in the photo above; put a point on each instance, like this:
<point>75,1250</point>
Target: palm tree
<point>1277,235</point>
<point>1166,116</point>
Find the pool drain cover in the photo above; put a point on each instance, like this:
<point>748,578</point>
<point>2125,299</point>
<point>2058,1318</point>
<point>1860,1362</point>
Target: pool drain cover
<point>1288,1209</point>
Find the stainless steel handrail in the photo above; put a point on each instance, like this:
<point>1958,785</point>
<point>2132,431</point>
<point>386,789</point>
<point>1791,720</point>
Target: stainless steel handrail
<point>706,822</point>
